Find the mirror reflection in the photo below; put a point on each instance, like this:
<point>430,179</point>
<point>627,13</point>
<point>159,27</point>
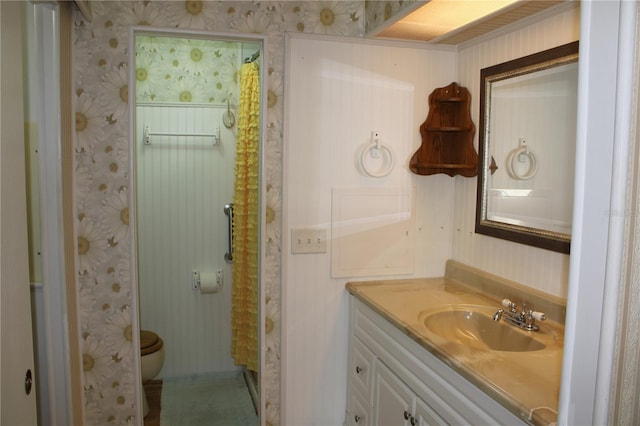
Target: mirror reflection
<point>527,148</point>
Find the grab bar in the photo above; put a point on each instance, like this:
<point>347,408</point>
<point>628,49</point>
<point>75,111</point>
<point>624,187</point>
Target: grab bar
<point>228,210</point>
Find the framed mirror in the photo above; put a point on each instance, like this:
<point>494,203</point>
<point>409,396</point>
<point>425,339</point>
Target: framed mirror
<point>528,109</point>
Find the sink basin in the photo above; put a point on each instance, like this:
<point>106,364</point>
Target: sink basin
<point>473,326</point>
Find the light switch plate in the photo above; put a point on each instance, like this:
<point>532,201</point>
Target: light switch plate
<point>308,240</point>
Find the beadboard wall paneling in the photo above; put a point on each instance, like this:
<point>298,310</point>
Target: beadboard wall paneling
<point>338,93</point>
<point>518,262</point>
<point>183,183</point>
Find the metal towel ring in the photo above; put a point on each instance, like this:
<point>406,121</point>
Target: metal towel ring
<point>512,164</point>
<point>228,119</point>
<point>375,149</point>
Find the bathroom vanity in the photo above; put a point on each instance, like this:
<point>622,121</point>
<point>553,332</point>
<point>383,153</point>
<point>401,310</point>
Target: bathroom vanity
<point>428,352</point>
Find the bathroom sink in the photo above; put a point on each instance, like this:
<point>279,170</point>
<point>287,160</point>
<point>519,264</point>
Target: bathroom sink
<point>473,326</point>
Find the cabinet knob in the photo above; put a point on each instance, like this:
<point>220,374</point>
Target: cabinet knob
<point>413,421</point>
<point>28,382</point>
<point>356,418</point>
<point>407,415</point>
<point>358,369</point>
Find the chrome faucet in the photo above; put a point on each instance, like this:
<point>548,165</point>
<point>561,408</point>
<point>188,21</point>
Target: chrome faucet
<point>498,314</point>
<point>525,319</point>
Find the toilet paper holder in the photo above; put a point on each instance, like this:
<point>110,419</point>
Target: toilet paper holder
<point>195,279</point>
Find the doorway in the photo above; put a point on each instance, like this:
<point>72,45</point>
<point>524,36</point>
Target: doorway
<point>187,120</point>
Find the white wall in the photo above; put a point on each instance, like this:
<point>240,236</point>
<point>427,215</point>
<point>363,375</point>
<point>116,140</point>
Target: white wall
<point>183,184</point>
<point>339,90</point>
<point>514,261</point>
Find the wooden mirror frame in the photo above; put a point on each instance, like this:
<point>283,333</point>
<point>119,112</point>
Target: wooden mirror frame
<point>536,237</point>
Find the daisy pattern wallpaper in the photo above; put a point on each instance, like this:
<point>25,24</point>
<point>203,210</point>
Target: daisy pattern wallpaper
<point>170,69</point>
<point>101,179</point>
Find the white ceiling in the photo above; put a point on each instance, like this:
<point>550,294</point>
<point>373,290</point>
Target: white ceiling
<point>436,21</point>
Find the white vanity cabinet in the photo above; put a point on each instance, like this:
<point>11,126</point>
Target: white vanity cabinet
<point>393,380</point>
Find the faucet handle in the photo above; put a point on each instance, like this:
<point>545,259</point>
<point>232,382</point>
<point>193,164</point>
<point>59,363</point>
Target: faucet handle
<point>539,316</point>
<point>509,305</point>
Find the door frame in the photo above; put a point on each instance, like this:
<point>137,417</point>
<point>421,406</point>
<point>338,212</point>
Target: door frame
<point>135,320</point>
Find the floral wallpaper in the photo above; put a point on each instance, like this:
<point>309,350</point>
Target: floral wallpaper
<point>170,69</point>
<point>101,174</point>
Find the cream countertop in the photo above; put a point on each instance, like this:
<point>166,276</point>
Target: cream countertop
<point>526,383</point>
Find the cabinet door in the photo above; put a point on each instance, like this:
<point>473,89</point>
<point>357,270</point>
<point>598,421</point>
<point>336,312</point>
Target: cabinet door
<point>426,416</point>
<point>393,403</point>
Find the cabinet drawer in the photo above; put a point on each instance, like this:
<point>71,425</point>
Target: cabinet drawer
<point>359,415</point>
<point>361,368</point>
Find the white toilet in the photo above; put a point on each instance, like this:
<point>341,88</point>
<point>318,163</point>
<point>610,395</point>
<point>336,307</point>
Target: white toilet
<point>152,358</point>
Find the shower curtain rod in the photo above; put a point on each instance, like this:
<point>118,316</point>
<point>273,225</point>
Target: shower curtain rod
<point>252,58</point>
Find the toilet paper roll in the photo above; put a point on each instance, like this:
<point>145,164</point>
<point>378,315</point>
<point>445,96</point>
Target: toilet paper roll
<point>209,284</point>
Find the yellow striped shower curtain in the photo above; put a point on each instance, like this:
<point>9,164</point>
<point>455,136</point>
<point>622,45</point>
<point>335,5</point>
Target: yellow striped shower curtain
<point>244,305</point>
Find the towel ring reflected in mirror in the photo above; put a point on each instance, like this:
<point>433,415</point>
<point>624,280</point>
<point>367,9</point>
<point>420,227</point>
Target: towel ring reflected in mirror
<point>532,99</point>
<point>516,157</point>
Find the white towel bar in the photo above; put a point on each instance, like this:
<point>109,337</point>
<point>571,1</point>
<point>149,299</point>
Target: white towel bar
<point>147,133</point>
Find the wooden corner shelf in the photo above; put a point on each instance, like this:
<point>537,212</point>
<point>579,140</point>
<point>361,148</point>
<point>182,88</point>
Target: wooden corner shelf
<point>446,166</point>
<point>447,135</point>
<point>447,129</point>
